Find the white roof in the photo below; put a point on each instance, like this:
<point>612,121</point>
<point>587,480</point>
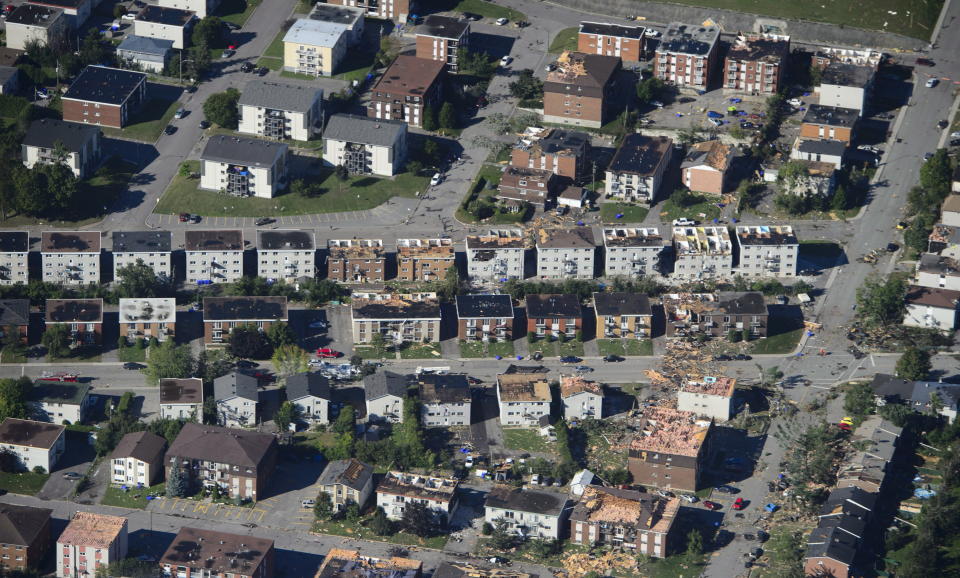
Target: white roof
<point>315,32</point>
<point>148,310</point>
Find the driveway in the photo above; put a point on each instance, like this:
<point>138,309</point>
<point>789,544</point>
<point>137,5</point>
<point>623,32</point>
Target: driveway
<point>78,457</point>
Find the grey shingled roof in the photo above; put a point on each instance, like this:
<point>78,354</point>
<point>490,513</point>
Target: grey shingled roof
<point>14,312</point>
<point>21,525</point>
<point>364,130</point>
<point>141,445</point>
<point>242,151</point>
<point>289,96</point>
<point>384,383</point>
<point>236,385</point>
<point>523,500</point>
<point>303,384</point>
<point>47,132</point>
<point>222,445</point>
<point>351,473</point>
<point>145,45</point>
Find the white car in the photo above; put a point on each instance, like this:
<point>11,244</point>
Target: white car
<point>505,60</point>
<point>656,103</point>
<point>795,102</point>
<point>690,498</point>
<point>931,82</point>
<point>469,462</point>
<point>651,33</point>
<point>436,179</point>
<point>715,122</point>
<point>502,21</point>
<point>129,16</point>
<point>683,222</point>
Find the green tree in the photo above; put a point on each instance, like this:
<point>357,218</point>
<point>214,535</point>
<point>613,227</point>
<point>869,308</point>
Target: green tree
<point>526,86</point>
<point>859,400</point>
<point>280,334</point>
<point>323,508</point>
<point>839,201</point>
<point>694,542</point>
<point>214,363</point>
<point>290,360</point>
<point>123,405</point>
<point>246,341</point>
<point>177,486</point>
<point>56,338</point>
<point>745,334</point>
<point>139,280</point>
<point>792,175</point>
<point>785,551</point>
<point>285,415</point>
<point>221,108</point>
<point>170,361</point>
<point>896,413</point>
<point>92,51</point>
<point>649,89</point>
<point>502,538</point>
<point>935,174</point>
<point>380,524</point>
<point>14,394</point>
<point>563,441</point>
<point>208,31</point>
<point>734,336</point>
<point>346,421</point>
<point>429,120</point>
<point>881,302</point>
<point>914,365</point>
<point>448,116</point>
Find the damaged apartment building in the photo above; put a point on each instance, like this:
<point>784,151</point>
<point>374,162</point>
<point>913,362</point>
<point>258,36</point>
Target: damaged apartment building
<point>671,450</point>
<point>399,317</point>
<point>524,398</point>
<point>633,251</point>
<point>356,260</point>
<point>497,255</point>
<point>624,519</point>
<point>702,253</point>
<point>715,315</point>
<point>399,489</point>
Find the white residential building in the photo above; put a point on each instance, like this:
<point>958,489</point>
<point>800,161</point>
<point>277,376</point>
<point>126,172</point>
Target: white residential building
<point>164,23</point>
<point>152,248</point>
<point>138,459</point>
<point>398,489</point>
<point>384,392</point>
<point>30,23</point>
<point>315,47</point>
<point>632,251</point>
<point>497,255</point>
<point>364,145</point>
<point>238,399</point>
<point>444,400</point>
<point>310,395</point>
<point>89,542</point>
<point>14,249</point>
<point>847,86</point>
<point>147,318</point>
<point>636,171</point>
<point>281,110</point>
<point>820,151</point>
<point>708,396</point>
<point>523,398</point>
<point>286,255</point>
<point>70,257</point>
<point>932,308</point>
<point>398,317</point>
<point>767,251</point>
<point>702,253</point>
<point>203,8</point>
<point>61,401</point>
<point>213,256</point>
<point>346,481</point>
<point>582,399</point>
<point>47,138</point>
<point>938,272</point>
<point>529,513</point>
<point>35,443</point>
<point>349,16</point>
<point>566,253</point>
<point>181,398</point>
<point>243,167</point>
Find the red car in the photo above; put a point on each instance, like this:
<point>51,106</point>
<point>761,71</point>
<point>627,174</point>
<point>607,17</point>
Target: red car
<point>711,505</point>
<point>327,353</point>
<point>184,217</point>
<point>47,376</point>
<point>844,427</point>
<point>739,504</point>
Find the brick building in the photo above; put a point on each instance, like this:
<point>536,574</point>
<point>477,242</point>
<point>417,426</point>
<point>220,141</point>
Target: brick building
<point>396,10</point>
<point>624,42</point>
<point>406,88</point>
<point>197,553</point>
<point>830,122</point>
<point>715,315</point>
<point>554,315</point>
<point>356,260</point>
<point>147,318</point>
<point>83,318</point>
<point>222,314</point>
<point>687,55</point>
<point>560,151</point>
<point>441,38</point>
<point>671,451</point>
<point>755,64</point>
<point>90,541</point>
<point>25,537</point>
<point>400,318</point>
<point>485,317</point>
<point>424,259</point>
<point>624,519</point>
<point>15,313</point>
<point>706,167</point>
<point>524,185</point>
<point>105,96</point>
<point>580,90</point>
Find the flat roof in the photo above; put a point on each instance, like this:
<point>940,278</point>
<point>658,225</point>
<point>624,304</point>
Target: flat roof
<point>447,388</point>
<point>443,27</point>
<point>363,130</point>
<point>186,390</point>
<point>766,235</point>
<point>70,242</point>
<point>342,563</point>
<point>832,148</point>
<point>285,240</point>
<point>553,306</point>
<point>689,39</point>
<point>421,487</point>
<point>63,392</point>
<point>26,432</point>
<point>33,15</point>
<point>165,15</point>
<point>498,239</point>
<point>632,237</point>
<point>280,95</point>
<point>396,307</point>
<point>243,151</point>
<point>754,47</point>
<point>670,431</point>
<point>346,15</point>
<point>218,240</point>
<point>616,303</point>
<point>545,502</point>
<point>847,75</point>
<point>710,385</point>
<point>952,203</point>
<point>74,311</point>
<point>608,29</point>
<point>142,241</point>
<point>88,529</point>
<point>148,310</point>
<point>48,132</point>
<point>484,306</point>
<point>437,248</point>
<point>640,154</point>
<point>831,115</point>
<point>14,242</point>
<point>219,553</point>
<point>105,85</point>
<point>270,308</point>
<point>410,75</point>
<point>315,32</point>
<point>569,238</point>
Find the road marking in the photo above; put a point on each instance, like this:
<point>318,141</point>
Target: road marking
<point>201,508</point>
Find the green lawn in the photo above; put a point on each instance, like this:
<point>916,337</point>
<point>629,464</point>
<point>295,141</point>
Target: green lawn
<point>359,531</point>
<point>625,346</point>
<point>501,348</point>
<point>784,342</point>
<point>133,353</point>
<point>420,351</point>
<point>477,349</point>
<point>297,75</point>
<point>571,347</point>
<point>81,354</point>
<point>271,63</point>
<point>27,483</point>
<point>488,10</point>
<point>236,11</point>
<point>10,355</point>
<point>275,50</point>
<point>566,39</point>
<point>631,213</point>
<point>488,175</point>
<point>148,123</point>
<point>914,19</point>
<point>544,345</point>
<point>528,440</point>
<point>133,498</point>
<point>354,194</point>
<point>355,66</point>
<point>367,352</point>
<point>704,212</point>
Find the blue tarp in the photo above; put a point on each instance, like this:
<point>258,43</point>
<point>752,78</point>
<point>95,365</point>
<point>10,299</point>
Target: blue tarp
<point>923,494</point>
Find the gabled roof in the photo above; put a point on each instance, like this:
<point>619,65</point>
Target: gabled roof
<point>47,132</point>
<point>385,383</point>
<point>236,385</point>
<point>849,501</point>
<point>741,303</point>
<point>831,542</point>
<point>21,525</point>
<point>242,151</point>
<point>141,445</point>
<point>351,473</point>
<point>544,502</point>
<point>145,45</point>
<point>302,385</point>
<point>14,312</point>
<point>223,445</point>
<point>885,385</point>
<point>26,432</point>
<point>933,297</point>
<point>273,94</point>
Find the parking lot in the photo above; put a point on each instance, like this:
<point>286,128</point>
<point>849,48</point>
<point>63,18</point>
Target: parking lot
<point>195,509</point>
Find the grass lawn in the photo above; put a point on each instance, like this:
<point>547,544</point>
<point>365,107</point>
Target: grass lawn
<point>356,65</point>
<point>488,10</point>
<point>528,440</point>
<point>705,211</point>
<point>354,194</point>
<point>783,342</point>
<point>84,354</point>
<point>566,39</point>
<point>488,175</point>
<point>9,355</point>
<point>275,50</point>
<point>367,352</point>
<point>27,483</point>
<point>625,346</point>
<point>915,19</point>
<point>358,530</point>
<point>631,213</point>
<point>501,348</point>
<point>472,349</point>
<point>477,349</point>
<point>572,347</point>
<point>133,353</point>
<point>236,11</point>
<point>600,452</point>
<point>148,123</point>
<point>271,63</point>
<point>420,351</point>
<point>134,498</point>
<point>297,75</point>
<point>545,346</point>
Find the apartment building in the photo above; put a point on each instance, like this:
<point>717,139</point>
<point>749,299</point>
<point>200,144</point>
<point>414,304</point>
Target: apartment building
<point>365,146</point>
<point>396,10</point>
<point>90,541</point>
<point>624,519</point>
<point>444,400</point>
<point>213,256</point>
<point>349,16</point>
<point>356,260</point>
<point>520,185</point>
<point>76,11</point>
<point>315,47</point>
<point>524,398</point>
<point>687,55</point>
<point>152,248</point>
<point>49,141</point>
<point>554,315</point>
<point>398,317</point>
<point>560,151</point>
<point>442,38</point>
<point>105,96</point>
<point>755,64</point>
<point>340,563</point>
<point>932,308</point>
<point>821,151</point>
<point>623,42</point>
<point>398,489</point>
<point>938,272</point>
<point>240,462</point>
<point>281,110</point>
<point>203,8</point>
<point>15,315</point>
<point>146,318</point>
<point>406,88</point>
<point>59,402</point>
<point>497,255</point>
<point>244,167</point>
<point>623,315</point>
<point>824,56</point>
<point>702,253</point>
<point>310,394</point>
<point>767,251</point>
<point>30,23</point>
<point>830,123</point>
<point>14,249</point>
<point>346,482</point>
<point>34,443</point>
<point>138,459</point>
<point>424,259</point>
<point>384,392</point>
<point>715,315</point>
<point>530,513</point>
<point>636,171</point>
<point>286,255</point>
<point>214,554</point>
<point>485,317</point>
<point>847,86</point>
<point>144,54</point>
<point>581,398</point>
<point>25,537</point>
<point>566,253</point>
<point>633,251</point>
<point>707,396</point>
<point>70,257</point>
<point>671,451</point>
<point>237,397</point>
<point>83,318</point>
<point>706,167</point>
<point>181,398</point>
<point>580,90</point>
<point>165,23</point>
<point>221,315</point>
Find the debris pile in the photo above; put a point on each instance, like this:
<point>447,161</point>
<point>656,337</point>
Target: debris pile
<point>579,565</point>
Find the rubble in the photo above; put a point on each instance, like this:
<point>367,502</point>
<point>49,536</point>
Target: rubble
<point>579,565</point>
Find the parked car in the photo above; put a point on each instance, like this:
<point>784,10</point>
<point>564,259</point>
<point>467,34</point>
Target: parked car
<point>436,179</point>
<point>656,103</point>
<point>943,123</point>
<point>742,357</point>
<point>689,498</point>
<point>184,217</point>
<point>471,16</point>
<point>722,357</point>
<point>170,129</point>
<point>247,364</point>
<point>683,222</point>
<point>651,33</point>
<point>931,82</point>
<point>307,503</point>
<point>925,62</point>
<point>711,505</point>
<point>725,489</point>
<point>327,353</point>
<point>612,358</point>
<point>739,504</point>
<point>231,26</point>
<point>129,16</point>
<point>204,124</point>
<point>535,479</point>
<point>795,102</point>
<point>263,71</point>
<point>583,368</point>
<point>246,67</point>
<point>715,122</point>
<point>264,221</point>
<point>321,324</point>
<point>72,476</point>
<point>505,60</point>
<point>502,21</point>
<point>892,247</point>
<point>132,365</point>
<point>570,359</point>
<point>714,114</point>
<point>228,53</point>
<point>181,112</point>
<point>550,67</point>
